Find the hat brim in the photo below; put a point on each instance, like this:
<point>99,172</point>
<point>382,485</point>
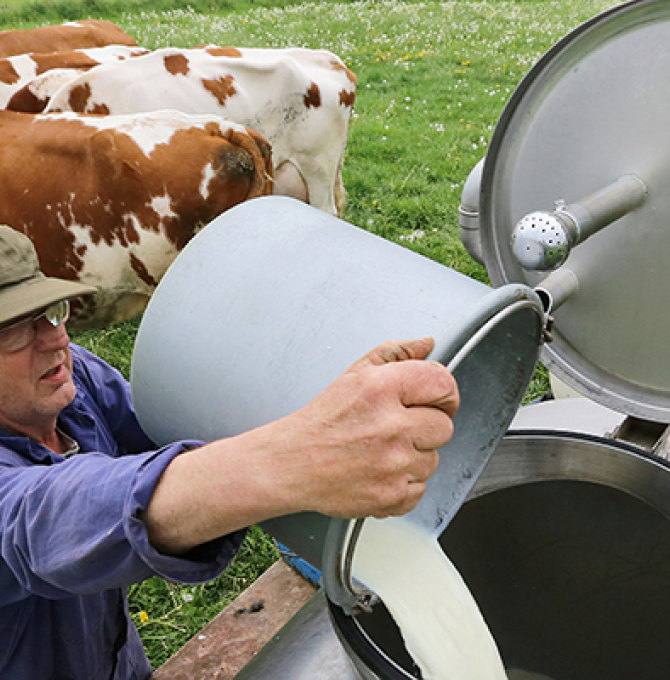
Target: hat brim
<point>29,296</point>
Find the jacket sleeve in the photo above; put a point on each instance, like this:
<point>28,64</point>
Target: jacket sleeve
<point>73,527</point>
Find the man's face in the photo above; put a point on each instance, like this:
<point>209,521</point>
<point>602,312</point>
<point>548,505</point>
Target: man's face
<point>36,382</point>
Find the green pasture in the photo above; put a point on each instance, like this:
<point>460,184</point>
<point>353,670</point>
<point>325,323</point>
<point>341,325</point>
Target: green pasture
<point>433,79</point>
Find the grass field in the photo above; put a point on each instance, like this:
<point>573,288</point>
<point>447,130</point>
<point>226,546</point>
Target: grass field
<point>433,78</point>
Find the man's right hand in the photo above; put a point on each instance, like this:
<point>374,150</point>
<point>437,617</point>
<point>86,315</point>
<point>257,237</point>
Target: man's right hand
<point>367,444</point>
<point>364,447</point>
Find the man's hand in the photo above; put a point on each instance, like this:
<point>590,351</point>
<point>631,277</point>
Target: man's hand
<point>364,447</point>
<point>369,441</point>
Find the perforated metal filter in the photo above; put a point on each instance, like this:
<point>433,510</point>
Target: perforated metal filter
<point>594,109</point>
<point>540,241</point>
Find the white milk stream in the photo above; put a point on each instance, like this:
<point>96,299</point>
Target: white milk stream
<point>439,619</point>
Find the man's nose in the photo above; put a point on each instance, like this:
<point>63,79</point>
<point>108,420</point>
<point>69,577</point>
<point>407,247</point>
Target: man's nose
<point>49,337</point>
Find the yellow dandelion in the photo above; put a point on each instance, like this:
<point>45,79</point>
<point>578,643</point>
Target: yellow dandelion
<point>144,618</point>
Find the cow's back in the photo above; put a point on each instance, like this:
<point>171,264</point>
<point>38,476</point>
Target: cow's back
<point>87,33</point>
<point>262,88</point>
<point>111,200</point>
<point>27,81</point>
<point>299,99</point>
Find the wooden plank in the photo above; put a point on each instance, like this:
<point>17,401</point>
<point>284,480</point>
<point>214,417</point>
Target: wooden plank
<point>226,644</point>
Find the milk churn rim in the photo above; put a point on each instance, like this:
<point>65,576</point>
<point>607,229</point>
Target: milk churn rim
<point>342,535</point>
<point>558,441</point>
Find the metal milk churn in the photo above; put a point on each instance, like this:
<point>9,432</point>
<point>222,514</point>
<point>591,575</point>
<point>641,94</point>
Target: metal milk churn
<point>274,299</point>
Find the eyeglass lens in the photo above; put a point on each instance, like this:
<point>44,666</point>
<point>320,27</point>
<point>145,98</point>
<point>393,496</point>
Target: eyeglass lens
<point>20,334</point>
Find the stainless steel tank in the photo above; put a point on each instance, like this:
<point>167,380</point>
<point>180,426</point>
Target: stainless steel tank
<point>564,543</point>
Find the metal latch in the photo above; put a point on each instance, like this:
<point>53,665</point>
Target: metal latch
<point>648,435</point>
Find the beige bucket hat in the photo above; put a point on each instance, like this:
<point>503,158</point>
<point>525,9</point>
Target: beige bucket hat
<point>23,287</point>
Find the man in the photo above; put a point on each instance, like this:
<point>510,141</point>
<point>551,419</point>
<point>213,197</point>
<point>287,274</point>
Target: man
<point>81,518</point>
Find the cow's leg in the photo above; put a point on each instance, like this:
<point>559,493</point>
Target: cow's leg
<point>339,191</point>
<point>290,182</point>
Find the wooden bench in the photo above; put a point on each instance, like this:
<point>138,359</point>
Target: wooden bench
<point>226,644</point>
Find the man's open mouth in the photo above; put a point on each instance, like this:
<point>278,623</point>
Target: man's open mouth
<point>51,372</point>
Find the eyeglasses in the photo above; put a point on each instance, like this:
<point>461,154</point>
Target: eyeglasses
<point>19,335</point>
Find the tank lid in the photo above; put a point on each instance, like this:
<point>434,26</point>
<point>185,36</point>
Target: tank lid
<point>588,120</point>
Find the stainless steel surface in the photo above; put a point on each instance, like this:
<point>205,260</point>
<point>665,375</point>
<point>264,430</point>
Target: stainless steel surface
<point>574,414</point>
<point>592,110</point>
<point>307,648</point>
<point>567,550</point>
<point>565,545</point>
<point>274,299</point>
<point>557,289</point>
<point>543,240</point>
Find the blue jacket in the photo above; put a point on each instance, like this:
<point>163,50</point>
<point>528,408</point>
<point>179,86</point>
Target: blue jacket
<point>71,541</point>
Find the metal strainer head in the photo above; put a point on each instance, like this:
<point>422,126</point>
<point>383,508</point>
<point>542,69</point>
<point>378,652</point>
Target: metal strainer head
<point>541,241</point>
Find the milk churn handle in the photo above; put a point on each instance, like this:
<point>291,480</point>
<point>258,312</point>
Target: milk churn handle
<point>341,538</point>
<point>338,553</point>
<point>340,587</point>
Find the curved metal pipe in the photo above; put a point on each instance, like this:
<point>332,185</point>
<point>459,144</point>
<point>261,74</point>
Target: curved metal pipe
<point>468,213</point>
<point>556,289</point>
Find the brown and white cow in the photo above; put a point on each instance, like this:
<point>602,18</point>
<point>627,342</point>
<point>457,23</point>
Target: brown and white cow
<point>299,99</point>
<point>68,36</point>
<point>27,81</point>
<point>111,200</point>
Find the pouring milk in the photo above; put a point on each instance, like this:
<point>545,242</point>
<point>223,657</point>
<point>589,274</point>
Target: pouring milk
<point>439,619</point>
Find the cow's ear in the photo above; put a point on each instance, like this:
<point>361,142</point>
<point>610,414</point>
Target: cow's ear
<point>217,51</point>
<point>25,101</point>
